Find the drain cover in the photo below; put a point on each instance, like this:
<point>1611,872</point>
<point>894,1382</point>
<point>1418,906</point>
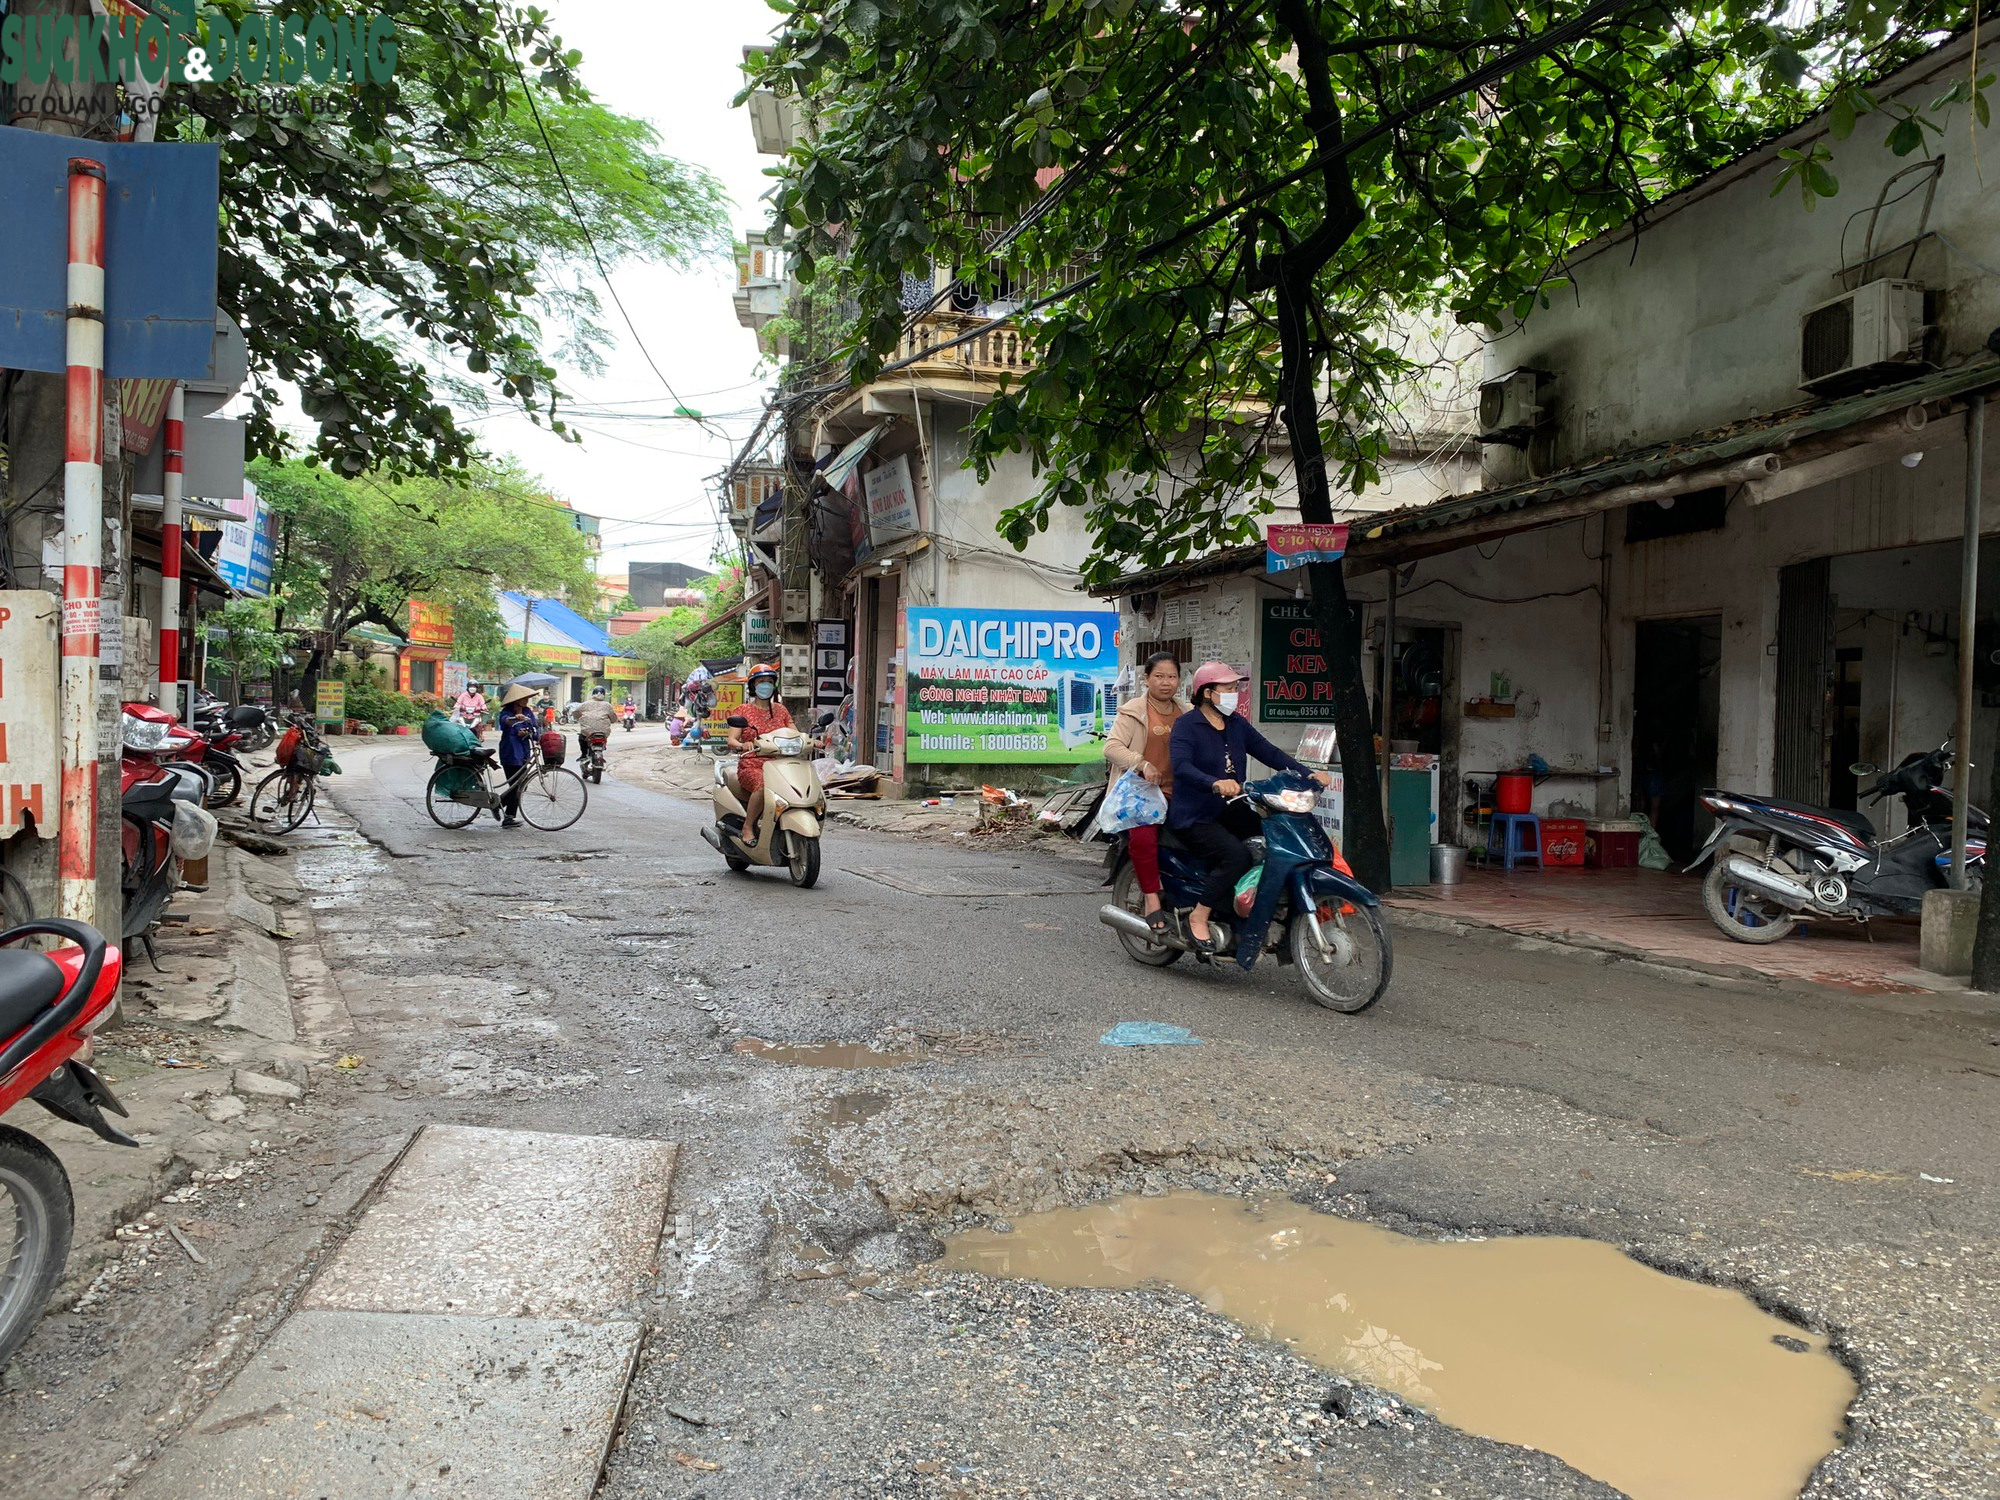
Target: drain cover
<point>978,883</point>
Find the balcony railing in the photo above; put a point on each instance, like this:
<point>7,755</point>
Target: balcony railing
<point>998,351</point>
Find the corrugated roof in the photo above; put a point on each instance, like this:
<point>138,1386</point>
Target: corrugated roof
<point>588,637</point>
<point>1376,536</point>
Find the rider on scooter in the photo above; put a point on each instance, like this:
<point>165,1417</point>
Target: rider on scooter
<point>765,714</point>
<point>596,716</point>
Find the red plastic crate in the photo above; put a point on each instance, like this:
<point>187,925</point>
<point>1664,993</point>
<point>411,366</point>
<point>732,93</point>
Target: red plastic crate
<point>1563,841</point>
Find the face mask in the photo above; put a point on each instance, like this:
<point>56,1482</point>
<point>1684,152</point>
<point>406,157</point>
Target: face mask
<point>1225,703</point>
<point>766,689</point>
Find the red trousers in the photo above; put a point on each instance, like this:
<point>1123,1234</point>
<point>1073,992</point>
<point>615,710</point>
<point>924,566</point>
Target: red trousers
<point>1143,844</point>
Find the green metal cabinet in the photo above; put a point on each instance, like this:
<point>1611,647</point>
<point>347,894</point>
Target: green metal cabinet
<point>1410,827</point>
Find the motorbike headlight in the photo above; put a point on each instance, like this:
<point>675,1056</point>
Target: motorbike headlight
<point>142,735</point>
<point>1292,801</point>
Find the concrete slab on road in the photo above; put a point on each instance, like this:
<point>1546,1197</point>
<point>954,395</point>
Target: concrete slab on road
<point>362,1405</point>
<point>508,1224</point>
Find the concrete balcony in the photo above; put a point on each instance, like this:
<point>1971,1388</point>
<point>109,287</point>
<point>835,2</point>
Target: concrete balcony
<point>992,354</point>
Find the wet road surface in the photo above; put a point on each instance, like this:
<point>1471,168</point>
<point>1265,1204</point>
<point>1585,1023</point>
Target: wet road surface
<point>1831,1155</point>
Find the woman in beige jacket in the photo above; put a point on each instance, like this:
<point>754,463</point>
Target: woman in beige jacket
<point>1138,742</point>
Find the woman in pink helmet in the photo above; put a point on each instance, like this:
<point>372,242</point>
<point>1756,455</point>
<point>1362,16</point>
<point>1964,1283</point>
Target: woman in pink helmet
<point>1212,749</point>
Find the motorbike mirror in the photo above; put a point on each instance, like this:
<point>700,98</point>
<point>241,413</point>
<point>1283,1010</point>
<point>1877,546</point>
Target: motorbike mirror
<point>1863,768</point>
<point>823,720</point>
<point>737,721</point>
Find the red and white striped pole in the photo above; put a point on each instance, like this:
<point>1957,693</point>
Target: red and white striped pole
<point>83,542</point>
<point>170,556</point>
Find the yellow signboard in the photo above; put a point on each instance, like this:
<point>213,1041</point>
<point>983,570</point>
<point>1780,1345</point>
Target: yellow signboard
<point>554,656</point>
<point>728,699</point>
<point>624,669</point>
<point>330,701</point>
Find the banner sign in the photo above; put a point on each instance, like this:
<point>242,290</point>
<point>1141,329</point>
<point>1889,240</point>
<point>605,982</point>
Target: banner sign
<point>1295,546</point>
<point>30,758</point>
<point>1294,684</point>
<point>1000,685</point>
<point>892,502</point>
<point>542,653</point>
<point>430,624</point>
<point>249,548</point>
<point>456,675</point>
<point>330,701</point>
<point>624,669</point>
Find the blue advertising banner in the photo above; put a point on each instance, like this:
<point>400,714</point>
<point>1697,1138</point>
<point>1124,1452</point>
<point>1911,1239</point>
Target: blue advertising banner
<point>1010,685</point>
<point>159,254</point>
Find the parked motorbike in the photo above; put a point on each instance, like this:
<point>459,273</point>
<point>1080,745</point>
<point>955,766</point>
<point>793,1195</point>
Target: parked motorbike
<point>794,804</point>
<point>211,747</point>
<point>590,745</point>
<point>1778,863</point>
<point>50,1003</point>
<point>1307,911</point>
<point>257,725</point>
<point>159,801</point>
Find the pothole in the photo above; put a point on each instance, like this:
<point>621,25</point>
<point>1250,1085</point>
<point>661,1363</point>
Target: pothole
<point>823,1054</point>
<point>1663,1388</point>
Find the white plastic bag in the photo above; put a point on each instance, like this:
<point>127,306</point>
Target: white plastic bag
<point>194,831</point>
<point>1132,802</point>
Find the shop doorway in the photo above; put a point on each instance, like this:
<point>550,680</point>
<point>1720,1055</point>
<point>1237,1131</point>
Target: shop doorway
<point>1676,708</point>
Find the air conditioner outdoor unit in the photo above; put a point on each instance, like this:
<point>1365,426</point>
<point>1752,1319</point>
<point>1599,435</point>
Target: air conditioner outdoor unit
<point>1508,410</point>
<point>1876,325</point>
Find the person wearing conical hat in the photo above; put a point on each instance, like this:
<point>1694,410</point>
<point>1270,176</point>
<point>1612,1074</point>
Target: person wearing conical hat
<point>517,747</point>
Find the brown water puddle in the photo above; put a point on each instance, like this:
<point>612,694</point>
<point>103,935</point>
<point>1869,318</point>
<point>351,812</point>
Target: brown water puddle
<point>823,1054</point>
<point>1663,1388</point>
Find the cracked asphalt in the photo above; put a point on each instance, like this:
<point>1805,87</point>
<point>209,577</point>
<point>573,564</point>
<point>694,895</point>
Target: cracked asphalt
<point>1830,1154</point>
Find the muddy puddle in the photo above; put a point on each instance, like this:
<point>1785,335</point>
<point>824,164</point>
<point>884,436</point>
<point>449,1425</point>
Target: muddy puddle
<point>822,1054</point>
<point>1663,1388</point>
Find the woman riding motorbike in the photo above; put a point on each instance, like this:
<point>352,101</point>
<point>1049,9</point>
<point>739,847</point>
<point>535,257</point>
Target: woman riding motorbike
<point>765,714</point>
<point>1212,748</point>
<point>1138,742</point>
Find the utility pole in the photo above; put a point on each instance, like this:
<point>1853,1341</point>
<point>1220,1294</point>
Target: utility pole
<point>171,482</point>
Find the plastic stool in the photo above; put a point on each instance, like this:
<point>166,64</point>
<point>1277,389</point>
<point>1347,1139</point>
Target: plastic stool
<point>1519,836</point>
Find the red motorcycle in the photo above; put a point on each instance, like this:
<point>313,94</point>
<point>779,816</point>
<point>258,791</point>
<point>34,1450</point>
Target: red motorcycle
<point>210,750</point>
<point>50,1003</point>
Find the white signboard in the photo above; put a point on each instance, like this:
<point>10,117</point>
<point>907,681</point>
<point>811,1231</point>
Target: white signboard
<point>30,777</point>
<point>892,503</point>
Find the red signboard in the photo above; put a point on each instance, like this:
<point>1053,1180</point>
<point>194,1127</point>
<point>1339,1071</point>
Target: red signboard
<point>430,624</point>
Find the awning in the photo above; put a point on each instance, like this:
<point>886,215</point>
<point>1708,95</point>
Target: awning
<point>1795,437</point>
<point>196,510</point>
<point>849,458</point>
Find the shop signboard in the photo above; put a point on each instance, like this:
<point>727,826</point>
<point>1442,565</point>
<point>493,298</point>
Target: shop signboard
<point>759,634</point>
<point>1294,684</point>
<point>624,669</point>
<point>829,663</point>
<point>248,548</point>
<point>728,699</point>
<point>330,701</point>
<point>1010,685</point>
<point>430,624</point>
<point>30,769</point>
<point>892,502</point>
<point>545,654</point>
<point>455,675</point>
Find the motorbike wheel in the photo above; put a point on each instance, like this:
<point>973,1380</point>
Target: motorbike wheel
<point>802,860</point>
<point>37,1214</point>
<point>259,738</point>
<point>1127,894</point>
<point>1351,974</point>
<point>228,787</point>
<point>1743,915</point>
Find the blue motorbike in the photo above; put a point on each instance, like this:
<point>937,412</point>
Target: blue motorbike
<point>1310,914</point>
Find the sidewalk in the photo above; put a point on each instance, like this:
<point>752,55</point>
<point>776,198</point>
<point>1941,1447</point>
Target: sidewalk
<point>1657,917</point>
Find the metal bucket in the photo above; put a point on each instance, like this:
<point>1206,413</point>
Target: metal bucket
<point>1447,864</point>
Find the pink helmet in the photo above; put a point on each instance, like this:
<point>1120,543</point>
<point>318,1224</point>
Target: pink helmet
<point>1210,673</point>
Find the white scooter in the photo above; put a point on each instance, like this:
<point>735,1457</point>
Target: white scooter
<point>794,805</point>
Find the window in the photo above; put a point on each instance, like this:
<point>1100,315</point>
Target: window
<point>423,676</point>
<point>1698,510</point>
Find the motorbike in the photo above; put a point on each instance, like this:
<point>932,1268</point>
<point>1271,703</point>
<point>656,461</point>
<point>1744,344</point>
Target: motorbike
<point>1776,863</point>
<point>1307,909</point>
<point>590,747</point>
<point>256,725</point>
<point>50,1004</point>
<point>160,808</point>
<point>212,747</point>
<point>470,720</point>
<point>630,717</point>
<point>794,805</point>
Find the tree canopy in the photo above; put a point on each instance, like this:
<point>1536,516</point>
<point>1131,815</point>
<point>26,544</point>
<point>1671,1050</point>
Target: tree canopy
<point>389,247</point>
<point>1260,188</point>
<point>354,551</point>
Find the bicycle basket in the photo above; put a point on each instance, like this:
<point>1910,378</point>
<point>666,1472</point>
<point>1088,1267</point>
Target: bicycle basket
<point>306,759</point>
<point>460,784</point>
<point>554,747</point>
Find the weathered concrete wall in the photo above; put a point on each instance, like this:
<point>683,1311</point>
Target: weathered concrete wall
<point>1696,323</point>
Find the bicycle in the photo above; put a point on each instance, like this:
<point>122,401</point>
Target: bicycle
<point>284,799</point>
<point>464,786</point>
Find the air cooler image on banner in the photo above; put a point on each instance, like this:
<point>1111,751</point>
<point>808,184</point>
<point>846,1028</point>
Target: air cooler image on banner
<point>1079,708</point>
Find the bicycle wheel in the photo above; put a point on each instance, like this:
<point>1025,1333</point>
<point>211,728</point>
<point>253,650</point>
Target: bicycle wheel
<point>281,802</point>
<point>553,798</point>
<point>445,812</point>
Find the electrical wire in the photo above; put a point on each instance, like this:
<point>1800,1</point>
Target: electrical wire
<point>583,223</point>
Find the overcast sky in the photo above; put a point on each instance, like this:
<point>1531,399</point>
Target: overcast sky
<point>677,66</point>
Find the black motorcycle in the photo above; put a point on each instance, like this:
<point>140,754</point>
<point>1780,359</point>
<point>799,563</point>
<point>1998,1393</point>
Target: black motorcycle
<point>1828,862</point>
<point>591,743</point>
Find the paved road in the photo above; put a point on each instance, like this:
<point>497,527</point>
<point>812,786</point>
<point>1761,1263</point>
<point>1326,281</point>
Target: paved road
<point>1829,1153</point>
